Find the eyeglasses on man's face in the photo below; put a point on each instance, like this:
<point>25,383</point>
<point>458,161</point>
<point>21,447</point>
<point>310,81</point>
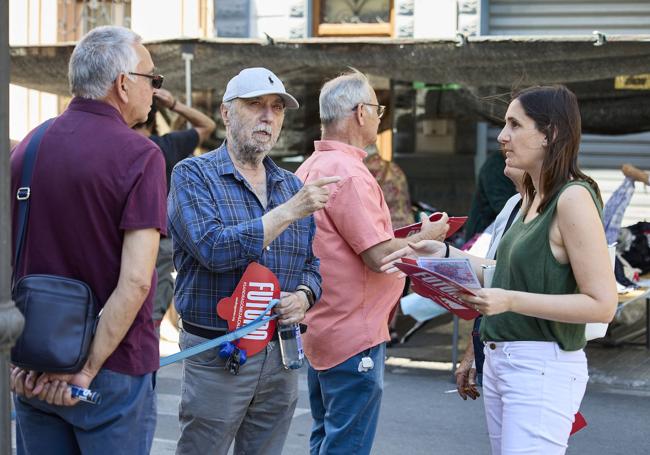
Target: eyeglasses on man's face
<point>156,79</point>
<point>380,108</point>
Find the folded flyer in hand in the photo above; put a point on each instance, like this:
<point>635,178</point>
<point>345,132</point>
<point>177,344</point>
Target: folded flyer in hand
<point>443,281</point>
<point>455,223</point>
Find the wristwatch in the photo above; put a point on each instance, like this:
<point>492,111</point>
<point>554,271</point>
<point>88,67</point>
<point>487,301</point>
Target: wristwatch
<point>308,292</point>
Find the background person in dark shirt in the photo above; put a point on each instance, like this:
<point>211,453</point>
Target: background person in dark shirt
<point>176,146</point>
<point>493,189</point>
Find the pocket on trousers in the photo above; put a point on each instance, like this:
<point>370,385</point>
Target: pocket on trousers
<point>526,366</point>
<point>578,388</point>
<point>564,385</point>
<point>208,358</point>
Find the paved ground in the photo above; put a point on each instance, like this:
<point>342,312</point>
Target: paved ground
<point>626,366</point>
<point>419,418</point>
<point>623,367</point>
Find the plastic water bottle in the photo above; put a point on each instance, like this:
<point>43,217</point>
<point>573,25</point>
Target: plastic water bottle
<point>290,346</point>
<point>85,394</point>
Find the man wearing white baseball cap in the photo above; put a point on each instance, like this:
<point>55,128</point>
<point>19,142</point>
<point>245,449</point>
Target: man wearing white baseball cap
<point>253,82</point>
<point>226,209</point>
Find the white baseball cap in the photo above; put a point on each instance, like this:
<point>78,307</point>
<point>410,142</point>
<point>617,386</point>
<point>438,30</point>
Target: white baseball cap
<point>253,82</point>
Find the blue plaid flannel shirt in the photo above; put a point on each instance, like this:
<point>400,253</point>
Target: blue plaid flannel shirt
<point>215,221</point>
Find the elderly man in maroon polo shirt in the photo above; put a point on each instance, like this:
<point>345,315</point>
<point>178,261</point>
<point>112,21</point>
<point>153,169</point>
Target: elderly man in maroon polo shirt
<point>97,212</point>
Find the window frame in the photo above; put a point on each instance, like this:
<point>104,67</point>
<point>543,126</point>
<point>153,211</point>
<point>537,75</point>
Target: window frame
<point>319,29</point>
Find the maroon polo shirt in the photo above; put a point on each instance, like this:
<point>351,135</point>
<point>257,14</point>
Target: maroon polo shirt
<point>94,179</point>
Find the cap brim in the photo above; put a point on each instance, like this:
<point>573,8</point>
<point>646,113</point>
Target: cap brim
<point>289,101</point>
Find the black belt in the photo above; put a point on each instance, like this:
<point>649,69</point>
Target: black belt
<point>210,334</point>
<point>203,332</point>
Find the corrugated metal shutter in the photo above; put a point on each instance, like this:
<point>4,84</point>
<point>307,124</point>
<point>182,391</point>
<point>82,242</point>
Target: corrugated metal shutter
<point>610,177</point>
<point>571,17</point>
<point>600,156</point>
<point>603,152</point>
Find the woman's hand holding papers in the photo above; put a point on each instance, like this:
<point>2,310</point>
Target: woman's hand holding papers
<point>490,301</point>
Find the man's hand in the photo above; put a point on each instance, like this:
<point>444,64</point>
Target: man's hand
<point>22,382</point>
<point>53,387</point>
<point>49,387</point>
<point>434,230</point>
<point>311,197</point>
<point>414,250</point>
<point>466,375</point>
<point>292,307</point>
<point>164,97</point>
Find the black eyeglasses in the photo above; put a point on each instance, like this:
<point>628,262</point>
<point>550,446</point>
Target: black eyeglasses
<point>156,79</point>
<point>381,109</point>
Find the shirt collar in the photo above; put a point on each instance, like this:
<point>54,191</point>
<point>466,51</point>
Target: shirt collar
<point>95,107</point>
<point>324,146</point>
<point>225,165</point>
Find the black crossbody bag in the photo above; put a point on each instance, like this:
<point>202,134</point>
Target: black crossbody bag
<point>60,313</point>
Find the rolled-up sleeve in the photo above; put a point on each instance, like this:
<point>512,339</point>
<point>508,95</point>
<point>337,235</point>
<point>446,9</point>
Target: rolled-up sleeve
<point>196,225</point>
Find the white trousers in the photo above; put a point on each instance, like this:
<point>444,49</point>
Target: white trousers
<point>532,390</point>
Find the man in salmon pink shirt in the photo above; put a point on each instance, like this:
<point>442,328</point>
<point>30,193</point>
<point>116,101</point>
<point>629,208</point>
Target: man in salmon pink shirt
<point>348,327</point>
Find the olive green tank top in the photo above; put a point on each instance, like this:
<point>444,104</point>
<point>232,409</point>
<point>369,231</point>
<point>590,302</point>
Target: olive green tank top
<point>526,263</point>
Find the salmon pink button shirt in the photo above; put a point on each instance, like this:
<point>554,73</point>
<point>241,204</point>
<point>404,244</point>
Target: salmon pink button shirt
<point>352,313</point>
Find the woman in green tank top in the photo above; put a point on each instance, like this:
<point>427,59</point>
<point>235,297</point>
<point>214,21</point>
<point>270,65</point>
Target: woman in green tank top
<point>553,275</point>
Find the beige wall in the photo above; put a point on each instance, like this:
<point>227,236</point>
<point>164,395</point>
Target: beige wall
<point>31,22</point>
<point>36,22</point>
<point>166,19</point>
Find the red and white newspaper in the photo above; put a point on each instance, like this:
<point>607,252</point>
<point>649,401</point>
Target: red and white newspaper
<point>443,281</point>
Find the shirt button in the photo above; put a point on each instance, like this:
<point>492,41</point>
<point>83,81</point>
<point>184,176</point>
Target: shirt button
<point>492,346</point>
<point>268,248</point>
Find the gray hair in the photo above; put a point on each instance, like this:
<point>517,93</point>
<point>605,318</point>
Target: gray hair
<point>99,58</point>
<point>339,96</point>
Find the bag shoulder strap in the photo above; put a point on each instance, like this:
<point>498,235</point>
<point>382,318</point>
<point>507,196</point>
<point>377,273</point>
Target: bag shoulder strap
<point>24,192</point>
<point>513,215</point>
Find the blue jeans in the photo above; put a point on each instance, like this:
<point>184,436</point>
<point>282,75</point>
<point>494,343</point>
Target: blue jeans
<point>345,404</point>
<point>124,422</point>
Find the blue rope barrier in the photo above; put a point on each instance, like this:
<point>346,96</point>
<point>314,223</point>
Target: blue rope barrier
<point>232,336</point>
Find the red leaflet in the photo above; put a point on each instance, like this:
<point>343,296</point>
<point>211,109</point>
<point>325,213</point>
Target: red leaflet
<point>455,223</point>
<point>579,423</point>
<point>439,288</point>
<point>257,287</point>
